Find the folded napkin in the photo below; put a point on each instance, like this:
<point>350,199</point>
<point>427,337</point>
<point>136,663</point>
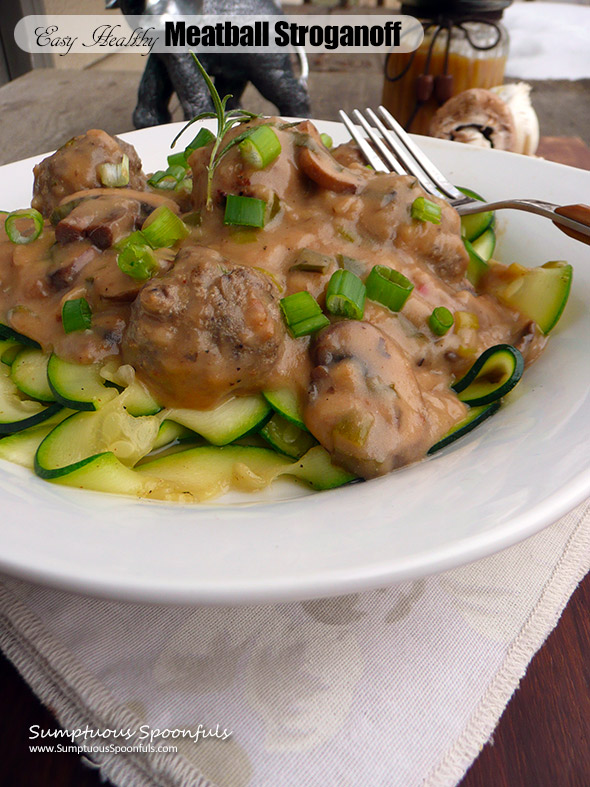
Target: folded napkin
<point>400,686</point>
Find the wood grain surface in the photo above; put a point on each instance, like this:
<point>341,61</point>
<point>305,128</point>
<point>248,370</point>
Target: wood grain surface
<point>543,739</point>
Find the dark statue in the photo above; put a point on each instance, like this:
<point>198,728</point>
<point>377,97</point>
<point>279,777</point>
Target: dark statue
<point>168,73</point>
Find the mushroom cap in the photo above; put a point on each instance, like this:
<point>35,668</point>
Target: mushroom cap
<point>479,111</point>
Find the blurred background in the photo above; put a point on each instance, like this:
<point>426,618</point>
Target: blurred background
<point>549,48</point>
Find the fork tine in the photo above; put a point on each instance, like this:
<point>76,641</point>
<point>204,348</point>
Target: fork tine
<point>412,166</point>
<point>361,141</point>
<point>394,164</point>
<point>425,164</point>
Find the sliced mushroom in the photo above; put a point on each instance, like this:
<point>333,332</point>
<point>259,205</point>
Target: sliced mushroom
<point>68,261</point>
<point>364,404</point>
<point>476,116</point>
<point>104,220</point>
<point>320,165</point>
<point>323,169</point>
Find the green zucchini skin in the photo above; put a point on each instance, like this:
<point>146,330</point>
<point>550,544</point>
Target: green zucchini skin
<point>33,420</point>
<point>76,386</point>
<point>233,419</point>
<point>287,438</point>
<point>474,225</point>
<point>8,333</point>
<point>475,417</point>
<point>29,374</point>
<point>45,452</point>
<point>484,245</point>
<point>541,294</point>
<point>510,362</point>
<point>9,351</point>
<point>477,267</point>
<point>285,403</point>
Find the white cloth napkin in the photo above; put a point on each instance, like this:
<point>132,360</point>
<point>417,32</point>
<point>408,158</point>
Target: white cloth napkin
<point>400,686</point>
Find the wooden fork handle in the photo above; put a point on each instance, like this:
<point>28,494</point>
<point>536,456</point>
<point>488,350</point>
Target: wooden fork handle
<point>579,213</point>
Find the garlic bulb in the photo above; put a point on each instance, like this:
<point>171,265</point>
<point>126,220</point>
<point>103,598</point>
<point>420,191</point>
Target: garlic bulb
<point>526,123</point>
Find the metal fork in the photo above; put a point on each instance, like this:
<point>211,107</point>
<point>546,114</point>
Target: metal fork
<point>396,151</point>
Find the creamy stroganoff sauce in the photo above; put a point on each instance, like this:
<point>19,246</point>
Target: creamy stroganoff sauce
<point>376,393</point>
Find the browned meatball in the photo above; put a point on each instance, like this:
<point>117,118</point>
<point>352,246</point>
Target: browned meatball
<point>74,167</point>
<point>206,329</point>
<point>364,404</point>
<point>386,218</point>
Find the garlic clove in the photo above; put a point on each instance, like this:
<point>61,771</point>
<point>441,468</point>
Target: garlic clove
<point>526,124</point>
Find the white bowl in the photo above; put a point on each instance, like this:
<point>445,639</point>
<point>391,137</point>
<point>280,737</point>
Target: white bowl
<point>520,471</point>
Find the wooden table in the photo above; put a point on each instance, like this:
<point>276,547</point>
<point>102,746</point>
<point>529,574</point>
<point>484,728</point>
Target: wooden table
<point>543,739</point>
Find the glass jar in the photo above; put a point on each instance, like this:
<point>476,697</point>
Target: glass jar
<point>465,45</point>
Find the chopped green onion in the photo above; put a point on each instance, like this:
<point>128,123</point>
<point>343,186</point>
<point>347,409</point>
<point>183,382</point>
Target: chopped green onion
<point>261,147</point>
<point>138,261</point>
<point>163,228</point>
<point>440,321</point>
<point>244,211</point>
<point>389,287</point>
<point>204,137</point>
<point>177,171</point>
<point>136,238</point>
<point>185,185</point>
<point>351,264</point>
<point>14,234</point>
<point>425,210</point>
<point>156,179</point>
<point>312,261</point>
<point>114,176</point>
<point>327,140</point>
<point>345,235</point>
<point>178,160</point>
<point>302,314</point>
<point>168,179</point>
<point>76,315</point>
<point>345,295</point>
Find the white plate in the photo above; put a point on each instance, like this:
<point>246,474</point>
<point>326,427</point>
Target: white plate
<point>517,473</point>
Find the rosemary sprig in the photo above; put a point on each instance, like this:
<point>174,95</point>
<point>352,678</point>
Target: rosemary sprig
<point>226,120</point>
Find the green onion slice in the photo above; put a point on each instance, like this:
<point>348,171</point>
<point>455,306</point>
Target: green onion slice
<point>76,315</point>
<point>425,210</point>
<point>244,211</point>
<point>327,140</point>
<point>261,147</point>
<point>302,314</point>
<point>345,295</point>
<point>162,179</point>
<point>353,265</point>
<point>440,321</point>
<point>138,261</point>
<point>114,176</point>
<point>388,287</point>
<point>163,228</point>
<point>178,160</point>
<point>17,216</point>
<point>168,179</point>
<point>312,261</point>
<point>204,137</point>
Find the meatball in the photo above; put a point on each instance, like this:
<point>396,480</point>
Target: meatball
<point>74,167</point>
<point>364,404</point>
<point>386,218</point>
<point>205,330</point>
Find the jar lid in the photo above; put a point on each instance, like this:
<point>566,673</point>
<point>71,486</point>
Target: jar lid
<point>454,8</point>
